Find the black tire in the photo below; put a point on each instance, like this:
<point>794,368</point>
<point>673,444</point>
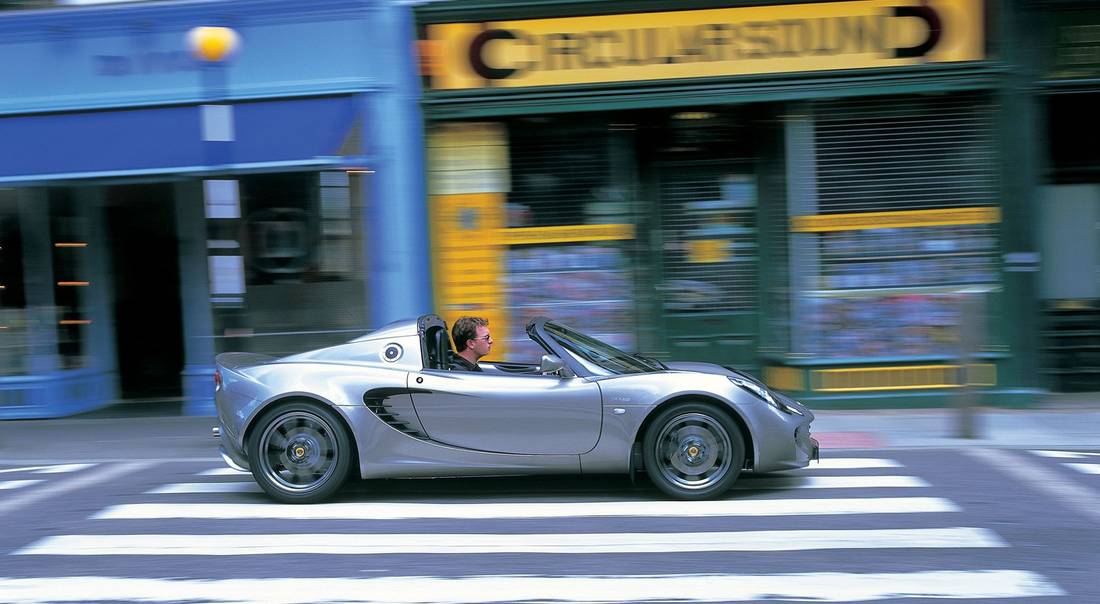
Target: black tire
<point>693,451</point>
<point>300,452</point>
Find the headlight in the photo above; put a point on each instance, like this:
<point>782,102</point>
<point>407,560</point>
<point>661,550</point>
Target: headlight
<point>762,393</point>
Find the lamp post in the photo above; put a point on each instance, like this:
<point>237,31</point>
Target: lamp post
<point>213,47</point>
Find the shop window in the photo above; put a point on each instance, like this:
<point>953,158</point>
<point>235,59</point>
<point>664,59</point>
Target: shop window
<point>570,225</point>
<point>69,240</point>
<point>902,228</point>
<point>284,258</point>
<point>13,318</point>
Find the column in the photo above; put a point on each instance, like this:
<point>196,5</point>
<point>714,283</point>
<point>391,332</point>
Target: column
<point>198,318</point>
<point>395,230</point>
<point>34,223</point>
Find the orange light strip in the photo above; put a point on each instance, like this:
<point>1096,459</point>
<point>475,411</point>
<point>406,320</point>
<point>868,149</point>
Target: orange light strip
<point>73,283</point>
<point>71,244</point>
<point>75,322</point>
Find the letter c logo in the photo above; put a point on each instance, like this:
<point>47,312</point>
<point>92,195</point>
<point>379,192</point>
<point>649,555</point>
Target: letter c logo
<point>477,61</point>
<point>935,29</point>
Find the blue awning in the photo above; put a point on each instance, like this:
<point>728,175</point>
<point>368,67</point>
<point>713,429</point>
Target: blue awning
<point>285,133</point>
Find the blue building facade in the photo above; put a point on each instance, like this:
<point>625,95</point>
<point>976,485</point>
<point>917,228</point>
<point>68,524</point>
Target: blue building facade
<point>156,208</point>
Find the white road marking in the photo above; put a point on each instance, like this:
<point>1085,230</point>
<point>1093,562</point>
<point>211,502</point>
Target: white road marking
<point>50,469</point>
<point>405,511</point>
<point>207,487</point>
<point>9,485</point>
<point>462,543</point>
<point>817,587</point>
<point>223,472</point>
<point>851,463</point>
<point>1085,468</point>
<point>64,468</point>
<point>1065,454</point>
<point>25,469</point>
<point>830,482</point>
<point>1079,498</point>
<point>101,475</point>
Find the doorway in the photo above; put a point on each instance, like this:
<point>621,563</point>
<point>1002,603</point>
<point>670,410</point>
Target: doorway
<point>141,227</point>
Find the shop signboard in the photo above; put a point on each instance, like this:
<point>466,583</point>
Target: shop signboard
<point>704,43</point>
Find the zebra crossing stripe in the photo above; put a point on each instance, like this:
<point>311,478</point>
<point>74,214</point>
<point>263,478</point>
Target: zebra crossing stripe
<point>1066,454</point>
<point>851,463</point>
<point>55,469</point>
<point>411,510</point>
<point>830,482</point>
<point>464,543</point>
<point>64,468</point>
<point>816,587</point>
<point>24,469</point>
<point>1085,468</point>
<point>9,485</point>
<point>206,487</point>
<point>783,482</point>
<point>223,472</point>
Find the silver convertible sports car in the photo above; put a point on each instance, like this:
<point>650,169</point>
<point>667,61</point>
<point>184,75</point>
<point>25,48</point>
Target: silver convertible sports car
<point>389,405</point>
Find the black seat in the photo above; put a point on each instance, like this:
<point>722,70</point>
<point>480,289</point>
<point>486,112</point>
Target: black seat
<point>438,348</point>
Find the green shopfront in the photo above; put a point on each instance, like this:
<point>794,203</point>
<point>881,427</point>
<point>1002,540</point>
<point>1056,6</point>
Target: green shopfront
<point>818,193</point>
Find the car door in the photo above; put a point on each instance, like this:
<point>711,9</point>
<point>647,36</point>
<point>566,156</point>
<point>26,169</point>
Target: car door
<point>520,414</point>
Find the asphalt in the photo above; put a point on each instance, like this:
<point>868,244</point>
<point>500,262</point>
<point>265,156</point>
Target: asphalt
<point>129,432</point>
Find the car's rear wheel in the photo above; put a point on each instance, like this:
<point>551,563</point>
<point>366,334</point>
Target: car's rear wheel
<point>300,452</point>
<point>693,451</point>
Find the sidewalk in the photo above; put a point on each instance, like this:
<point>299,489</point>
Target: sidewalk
<point>107,436</point>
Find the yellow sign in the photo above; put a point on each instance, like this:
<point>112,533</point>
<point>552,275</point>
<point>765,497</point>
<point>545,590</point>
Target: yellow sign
<point>704,43</point>
<point>565,234</point>
<point>894,220</point>
<point>705,251</point>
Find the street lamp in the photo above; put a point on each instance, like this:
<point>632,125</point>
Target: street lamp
<point>212,47</point>
<point>212,44</point>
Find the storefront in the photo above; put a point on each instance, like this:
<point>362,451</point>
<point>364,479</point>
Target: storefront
<point>813,192</point>
<point>182,179</point>
<point>1069,205</point>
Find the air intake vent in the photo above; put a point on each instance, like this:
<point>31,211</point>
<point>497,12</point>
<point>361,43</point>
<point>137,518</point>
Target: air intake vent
<point>404,420</point>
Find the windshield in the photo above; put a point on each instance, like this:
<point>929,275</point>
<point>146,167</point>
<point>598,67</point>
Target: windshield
<point>595,352</point>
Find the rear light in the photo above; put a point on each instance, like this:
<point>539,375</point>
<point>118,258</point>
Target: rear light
<point>217,379</point>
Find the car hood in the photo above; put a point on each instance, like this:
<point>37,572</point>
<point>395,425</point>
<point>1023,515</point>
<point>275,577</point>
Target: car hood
<point>704,368</point>
<point>720,370</point>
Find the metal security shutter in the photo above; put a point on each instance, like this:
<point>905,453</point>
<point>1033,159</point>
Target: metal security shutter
<point>904,153</point>
<point>709,223</point>
<point>561,176</point>
<point>560,173</point>
<point>898,155</point>
<point>905,221</point>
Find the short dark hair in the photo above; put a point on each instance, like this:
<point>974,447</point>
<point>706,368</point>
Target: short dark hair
<point>465,329</point>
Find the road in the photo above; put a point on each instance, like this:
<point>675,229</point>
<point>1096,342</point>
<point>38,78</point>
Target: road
<point>907,525</point>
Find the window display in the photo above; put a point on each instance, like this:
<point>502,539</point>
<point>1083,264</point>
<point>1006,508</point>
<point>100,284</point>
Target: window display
<point>897,291</point>
<point>585,286</point>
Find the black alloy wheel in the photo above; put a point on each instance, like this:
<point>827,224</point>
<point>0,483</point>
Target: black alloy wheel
<point>300,452</point>
<point>693,451</point>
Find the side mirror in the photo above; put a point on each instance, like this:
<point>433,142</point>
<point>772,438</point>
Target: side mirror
<point>552,364</point>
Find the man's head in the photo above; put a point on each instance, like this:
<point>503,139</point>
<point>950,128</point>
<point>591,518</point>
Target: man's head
<point>471,336</point>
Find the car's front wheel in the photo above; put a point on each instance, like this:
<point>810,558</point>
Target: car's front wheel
<point>300,452</point>
<point>693,451</point>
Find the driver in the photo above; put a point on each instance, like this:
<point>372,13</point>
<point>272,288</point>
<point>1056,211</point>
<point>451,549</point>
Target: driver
<point>472,341</point>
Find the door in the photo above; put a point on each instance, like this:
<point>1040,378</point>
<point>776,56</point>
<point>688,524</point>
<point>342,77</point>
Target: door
<point>145,270</point>
<point>709,262</point>
<point>529,414</point>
